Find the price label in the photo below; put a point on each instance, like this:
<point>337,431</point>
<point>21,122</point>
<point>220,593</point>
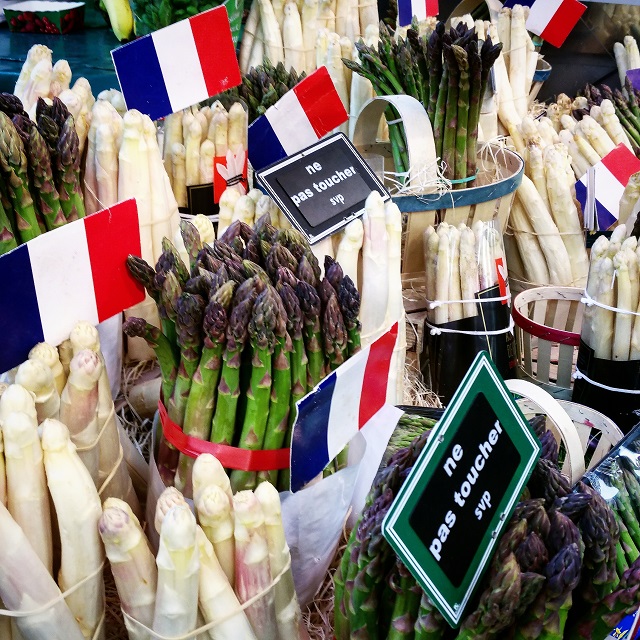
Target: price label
<point>451,510</point>
<point>322,188</point>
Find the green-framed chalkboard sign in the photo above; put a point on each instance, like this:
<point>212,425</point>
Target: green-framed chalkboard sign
<point>462,490</point>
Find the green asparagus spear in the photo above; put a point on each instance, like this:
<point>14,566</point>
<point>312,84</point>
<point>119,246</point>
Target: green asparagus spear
<point>224,419</point>
<point>261,331</point>
<point>13,166</point>
<point>310,306</point>
<point>67,172</point>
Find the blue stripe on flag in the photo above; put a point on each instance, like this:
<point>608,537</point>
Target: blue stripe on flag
<point>604,216</point>
<point>309,451</point>
<point>141,78</point>
<point>264,146</point>
<point>405,13</point>
<point>581,193</point>
<point>19,313</point>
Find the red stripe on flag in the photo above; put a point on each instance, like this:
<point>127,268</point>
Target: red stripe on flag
<point>562,22</point>
<point>212,35</point>
<point>112,235</point>
<point>432,7</point>
<point>376,375</point>
<point>621,163</point>
<point>320,101</point>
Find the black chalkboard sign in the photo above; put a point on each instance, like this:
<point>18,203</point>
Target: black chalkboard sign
<point>323,187</point>
<point>451,509</point>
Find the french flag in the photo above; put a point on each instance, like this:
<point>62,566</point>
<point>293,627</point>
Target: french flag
<point>299,119</point>
<point>421,9</point>
<point>612,174</point>
<point>76,272</point>
<point>553,20</point>
<point>178,66</point>
<point>342,404</point>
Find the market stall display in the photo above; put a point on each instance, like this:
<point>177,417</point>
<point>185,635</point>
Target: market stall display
<point>244,320</point>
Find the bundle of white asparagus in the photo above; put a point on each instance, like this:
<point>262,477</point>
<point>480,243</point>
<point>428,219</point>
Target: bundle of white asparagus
<point>288,31</point>
<point>460,263</point>
<point>627,56</point>
<point>124,161</point>
<point>205,568</point>
<point>39,464</point>
<point>587,141</point>
<point>611,323</point>
<point>514,70</point>
<point>40,78</point>
<point>545,241</point>
<point>195,136</point>
<point>70,384</point>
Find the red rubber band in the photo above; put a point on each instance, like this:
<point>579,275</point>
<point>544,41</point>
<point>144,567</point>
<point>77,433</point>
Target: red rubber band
<point>230,457</point>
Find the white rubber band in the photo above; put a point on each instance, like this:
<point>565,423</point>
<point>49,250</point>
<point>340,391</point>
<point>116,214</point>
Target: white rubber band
<point>578,375</point>
<point>590,302</point>
<point>433,304</point>
<point>436,331</point>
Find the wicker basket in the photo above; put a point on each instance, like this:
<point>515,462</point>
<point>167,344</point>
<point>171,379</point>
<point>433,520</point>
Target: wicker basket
<point>548,321</point>
<point>584,435</point>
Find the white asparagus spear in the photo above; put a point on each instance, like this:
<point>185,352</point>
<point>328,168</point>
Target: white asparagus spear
<point>253,573</point>
<point>78,511</point>
<point>37,377</point>
<point>192,139</point>
<point>612,125</point>
<point>623,322</point>
<point>270,23</point>
<point>208,470</point>
<point>168,499</point>
<point>348,251</point>
<point>309,32</point>
<point>217,599</point>
<point>602,327</point>
<point>132,565</point>
<point>533,259</point>
<point>288,612</point>
<point>629,201</point>
<point>179,182</point>
<point>375,273</point>
<point>443,279</point>
<point>79,408</point>
<point>207,154</point>
<point>565,215</point>
<point>248,36</point>
<point>468,271</point>
<point>106,165</point>
<point>518,60</point>
<point>49,355</point>
<point>620,55</point>
<point>216,519</point>
<point>431,240</point>
<point>455,290</point>
<point>178,564</point>
<point>256,56</point>
<point>25,585</point>
<point>293,42</point>
<point>27,497</point>
<point>557,258</point>
<point>227,205</point>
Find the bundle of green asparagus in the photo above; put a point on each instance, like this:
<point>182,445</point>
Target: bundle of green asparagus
<point>448,73</point>
<point>39,171</point>
<point>560,564</point>
<point>460,262</point>
<point>247,330</point>
<point>264,85</point>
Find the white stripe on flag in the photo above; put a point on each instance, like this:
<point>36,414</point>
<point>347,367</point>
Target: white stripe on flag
<point>541,14</point>
<point>345,403</point>
<point>291,124</point>
<point>63,282</point>
<point>419,9</point>
<point>608,189</point>
<point>180,64</point>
